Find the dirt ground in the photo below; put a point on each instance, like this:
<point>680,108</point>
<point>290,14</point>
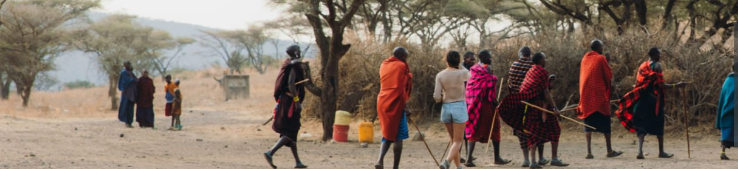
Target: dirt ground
<point>79,131</point>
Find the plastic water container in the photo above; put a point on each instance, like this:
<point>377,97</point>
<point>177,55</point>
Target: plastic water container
<point>342,118</point>
<point>340,133</point>
<point>366,132</point>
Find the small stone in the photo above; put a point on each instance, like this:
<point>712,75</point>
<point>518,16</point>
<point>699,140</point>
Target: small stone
<point>75,129</point>
<point>32,155</point>
<point>364,145</point>
<point>418,136</point>
<point>258,129</point>
<point>226,146</point>
<point>222,128</point>
<point>198,140</point>
<point>121,135</point>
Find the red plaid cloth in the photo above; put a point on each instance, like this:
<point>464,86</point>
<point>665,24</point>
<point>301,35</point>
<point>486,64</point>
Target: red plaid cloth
<point>480,92</point>
<point>646,77</point>
<point>594,85</point>
<point>512,111</point>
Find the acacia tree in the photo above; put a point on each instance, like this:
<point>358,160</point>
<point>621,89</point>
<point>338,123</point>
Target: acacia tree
<point>251,42</point>
<point>159,44</point>
<point>220,45</point>
<point>112,41</point>
<point>332,16</point>
<point>32,35</point>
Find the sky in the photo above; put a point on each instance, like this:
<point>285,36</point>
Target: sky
<point>221,14</point>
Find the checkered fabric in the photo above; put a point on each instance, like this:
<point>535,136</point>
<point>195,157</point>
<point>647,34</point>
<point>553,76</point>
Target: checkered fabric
<point>646,77</point>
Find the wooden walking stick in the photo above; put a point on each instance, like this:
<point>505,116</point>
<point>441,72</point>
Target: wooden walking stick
<point>426,144</point>
<point>686,121</point>
<point>548,111</point>
<point>494,117</point>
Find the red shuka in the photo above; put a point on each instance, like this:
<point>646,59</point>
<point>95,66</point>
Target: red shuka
<point>395,86</point>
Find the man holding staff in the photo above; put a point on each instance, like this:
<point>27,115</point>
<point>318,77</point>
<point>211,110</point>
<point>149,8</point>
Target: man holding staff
<point>395,86</point>
<point>642,109</point>
<point>540,126</point>
<point>594,96</point>
<point>481,91</point>
<point>516,75</point>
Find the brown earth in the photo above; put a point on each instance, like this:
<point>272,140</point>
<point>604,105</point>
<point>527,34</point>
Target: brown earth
<point>76,129</point>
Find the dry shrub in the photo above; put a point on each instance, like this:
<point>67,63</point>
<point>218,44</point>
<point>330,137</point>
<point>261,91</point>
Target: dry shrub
<point>705,71</point>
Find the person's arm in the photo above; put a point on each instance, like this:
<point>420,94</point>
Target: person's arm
<point>665,85</point>
<point>550,101</point>
<point>437,90</point>
<point>293,89</point>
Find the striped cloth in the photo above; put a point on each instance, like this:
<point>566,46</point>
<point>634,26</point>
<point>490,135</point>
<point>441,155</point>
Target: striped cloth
<point>646,78</point>
<point>511,109</point>
<point>517,72</point>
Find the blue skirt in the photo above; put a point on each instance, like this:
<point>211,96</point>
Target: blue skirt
<point>402,132</point>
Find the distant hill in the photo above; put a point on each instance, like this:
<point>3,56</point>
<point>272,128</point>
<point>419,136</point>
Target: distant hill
<point>75,65</point>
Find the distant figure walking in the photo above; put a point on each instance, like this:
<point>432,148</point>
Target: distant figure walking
<point>145,104</point>
<point>127,86</point>
<point>725,116</point>
<point>289,98</point>
<point>394,91</point>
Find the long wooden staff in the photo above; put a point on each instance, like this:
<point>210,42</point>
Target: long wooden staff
<point>494,117</point>
<point>547,111</point>
<point>426,144</point>
<point>686,121</point>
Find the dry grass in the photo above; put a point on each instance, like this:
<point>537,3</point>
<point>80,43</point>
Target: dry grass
<point>705,71</point>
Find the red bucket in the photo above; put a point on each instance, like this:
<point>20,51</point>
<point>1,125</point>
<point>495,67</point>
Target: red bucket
<point>340,133</point>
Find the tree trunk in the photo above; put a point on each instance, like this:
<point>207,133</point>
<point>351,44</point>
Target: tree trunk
<point>5,90</point>
<point>26,96</point>
<point>112,92</point>
<point>667,14</point>
<point>328,98</point>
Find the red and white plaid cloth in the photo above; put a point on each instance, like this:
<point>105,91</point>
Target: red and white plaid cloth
<point>513,111</point>
<point>646,77</point>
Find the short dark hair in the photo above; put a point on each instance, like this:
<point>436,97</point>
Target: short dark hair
<point>524,51</point>
<point>596,44</point>
<point>453,58</point>
<point>468,54</point>
<point>538,57</point>
<point>127,63</point>
<point>485,55</point>
<point>654,51</point>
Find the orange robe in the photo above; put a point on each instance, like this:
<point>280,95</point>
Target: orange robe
<point>594,85</point>
<point>395,86</point>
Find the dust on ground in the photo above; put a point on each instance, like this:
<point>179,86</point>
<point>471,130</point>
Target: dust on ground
<point>77,129</point>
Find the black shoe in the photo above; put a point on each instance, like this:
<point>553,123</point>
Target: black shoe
<point>470,164</point>
<point>589,156</point>
<point>558,163</point>
<point>502,161</point>
<point>614,154</point>
<point>724,157</point>
<point>665,155</point>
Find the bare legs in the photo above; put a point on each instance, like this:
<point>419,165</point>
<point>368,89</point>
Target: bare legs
<point>284,141</point>
<point>640,146</point>
<point>456,131</point>
<point>383,151</point>
<point>608,143</point>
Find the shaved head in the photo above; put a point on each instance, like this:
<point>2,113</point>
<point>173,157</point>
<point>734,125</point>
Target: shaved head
<point>294,51</point>
<point>596,46</point>
<point>400,53</point>
<point>524,52</point>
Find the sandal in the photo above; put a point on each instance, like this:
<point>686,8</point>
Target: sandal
<point>614,154</point>
<point>724,157</point>
<point>559,163</point>
<point>665,155</point>
<point>640,157</point>
<point>470,164</point>
<point>269,159</point>
<point>535,166</point>
<point>589,156</point>
<point>445,165</point>
<point>300,165</point>
<point>543,161</point>
<point>526,164</point>
<point>502,161</point>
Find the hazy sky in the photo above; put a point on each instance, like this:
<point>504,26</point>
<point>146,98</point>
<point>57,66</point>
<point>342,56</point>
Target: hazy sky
<point>222,14</point>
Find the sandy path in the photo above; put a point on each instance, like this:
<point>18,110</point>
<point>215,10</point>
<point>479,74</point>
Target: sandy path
<point>237,139</point>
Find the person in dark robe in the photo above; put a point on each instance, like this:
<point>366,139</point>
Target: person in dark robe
<point>127,86</point>
<point>642,109</point>
<point>395,87</point>
<point>289,97</point>
<point>725,120</point>
<point>145,101</point>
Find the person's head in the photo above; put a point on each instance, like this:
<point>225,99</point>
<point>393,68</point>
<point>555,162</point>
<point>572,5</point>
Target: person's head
<point>469,58</point>
<point>294,52</point>
<point>485,56</point>
<point>539,59</point>
<point>176,82</point>
<point>524,52</point>
<point>655,54</point>
<point>168,78</point>
<point>127,65</point>
<point>145,73</point>
<point>596,46</point>
<point>453,58</point>
<point>400,53</point>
